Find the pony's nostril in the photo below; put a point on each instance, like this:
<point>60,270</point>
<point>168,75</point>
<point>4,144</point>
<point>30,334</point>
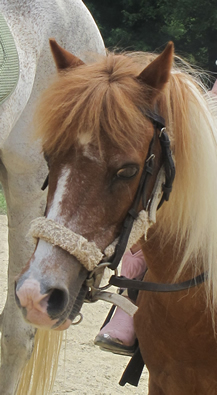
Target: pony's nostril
<point>57,302</point>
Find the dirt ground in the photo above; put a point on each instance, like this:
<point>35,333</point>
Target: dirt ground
<point>83,368</point>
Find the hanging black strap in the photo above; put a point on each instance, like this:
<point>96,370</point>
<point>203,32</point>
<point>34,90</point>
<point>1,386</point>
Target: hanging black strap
<point>133,370</point>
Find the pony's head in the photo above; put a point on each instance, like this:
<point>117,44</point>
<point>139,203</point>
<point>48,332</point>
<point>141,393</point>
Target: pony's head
<point>96,134</point>
<point>96,139</point>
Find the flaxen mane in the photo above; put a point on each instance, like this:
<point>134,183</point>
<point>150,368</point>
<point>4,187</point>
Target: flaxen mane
<point>84,103</point>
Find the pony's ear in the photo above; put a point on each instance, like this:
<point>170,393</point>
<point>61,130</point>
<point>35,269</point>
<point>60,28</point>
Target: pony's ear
<point>157,73</point>
<point>63,58</point>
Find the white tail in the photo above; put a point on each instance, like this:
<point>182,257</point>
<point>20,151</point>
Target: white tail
<point>40,372</point>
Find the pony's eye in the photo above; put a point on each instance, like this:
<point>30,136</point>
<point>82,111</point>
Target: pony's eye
<point>127,172</point>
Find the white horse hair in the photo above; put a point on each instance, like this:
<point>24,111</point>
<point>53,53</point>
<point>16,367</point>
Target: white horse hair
<point>23,169</point>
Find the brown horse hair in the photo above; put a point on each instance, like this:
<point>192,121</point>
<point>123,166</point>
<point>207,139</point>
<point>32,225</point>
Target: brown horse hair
<point>83,102</point>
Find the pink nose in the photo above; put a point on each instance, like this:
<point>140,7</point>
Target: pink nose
<point>42,310</point>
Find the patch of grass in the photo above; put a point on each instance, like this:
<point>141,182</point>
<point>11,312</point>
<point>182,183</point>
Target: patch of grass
<point>3,207</point>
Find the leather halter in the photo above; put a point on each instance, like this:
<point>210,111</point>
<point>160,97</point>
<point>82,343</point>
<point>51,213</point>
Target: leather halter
<point>141,194</point>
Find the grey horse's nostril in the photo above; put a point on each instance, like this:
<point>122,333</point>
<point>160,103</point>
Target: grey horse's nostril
<point>57,302</point>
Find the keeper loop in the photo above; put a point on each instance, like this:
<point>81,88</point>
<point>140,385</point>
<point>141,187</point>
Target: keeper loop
<point>149,169</point>
<point>166,190</point>
<point>133,213</point>
<point>152,156</point>
<point>162,131</point>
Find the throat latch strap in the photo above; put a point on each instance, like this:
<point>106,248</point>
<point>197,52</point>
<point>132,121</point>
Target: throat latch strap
<point>123,282</point>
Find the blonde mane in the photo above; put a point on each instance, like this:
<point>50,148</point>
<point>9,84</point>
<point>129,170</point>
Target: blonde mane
<point>191,214</point>
<point>107,96</point>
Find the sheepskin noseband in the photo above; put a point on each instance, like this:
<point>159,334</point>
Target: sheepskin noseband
<point>86,252</point>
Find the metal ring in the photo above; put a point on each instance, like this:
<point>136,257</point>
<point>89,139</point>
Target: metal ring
<point>80,319</point>
<point>107,285</point>
<point>99,266</point>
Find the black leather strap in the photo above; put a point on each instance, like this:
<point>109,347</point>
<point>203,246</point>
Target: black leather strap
<point>155,118</point>
<point>169,166</point>
<point>123,282</point>
<point>133,370</point>
<point>45,184</point>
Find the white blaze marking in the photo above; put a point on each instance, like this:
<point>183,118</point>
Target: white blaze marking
<point>45,250</point>
<point>54,211</point>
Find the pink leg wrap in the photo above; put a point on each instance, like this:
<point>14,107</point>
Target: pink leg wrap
<point>121,325</point>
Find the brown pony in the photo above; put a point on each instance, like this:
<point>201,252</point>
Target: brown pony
<point>96,130</point>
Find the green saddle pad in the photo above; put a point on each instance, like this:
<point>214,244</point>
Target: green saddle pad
<point>9,61</point>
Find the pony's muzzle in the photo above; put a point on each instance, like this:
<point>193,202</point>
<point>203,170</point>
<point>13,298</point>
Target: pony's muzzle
<point>41,305</point>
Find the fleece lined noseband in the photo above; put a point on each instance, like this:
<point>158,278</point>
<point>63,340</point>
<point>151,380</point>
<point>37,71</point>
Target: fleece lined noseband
<point>86,252</point>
